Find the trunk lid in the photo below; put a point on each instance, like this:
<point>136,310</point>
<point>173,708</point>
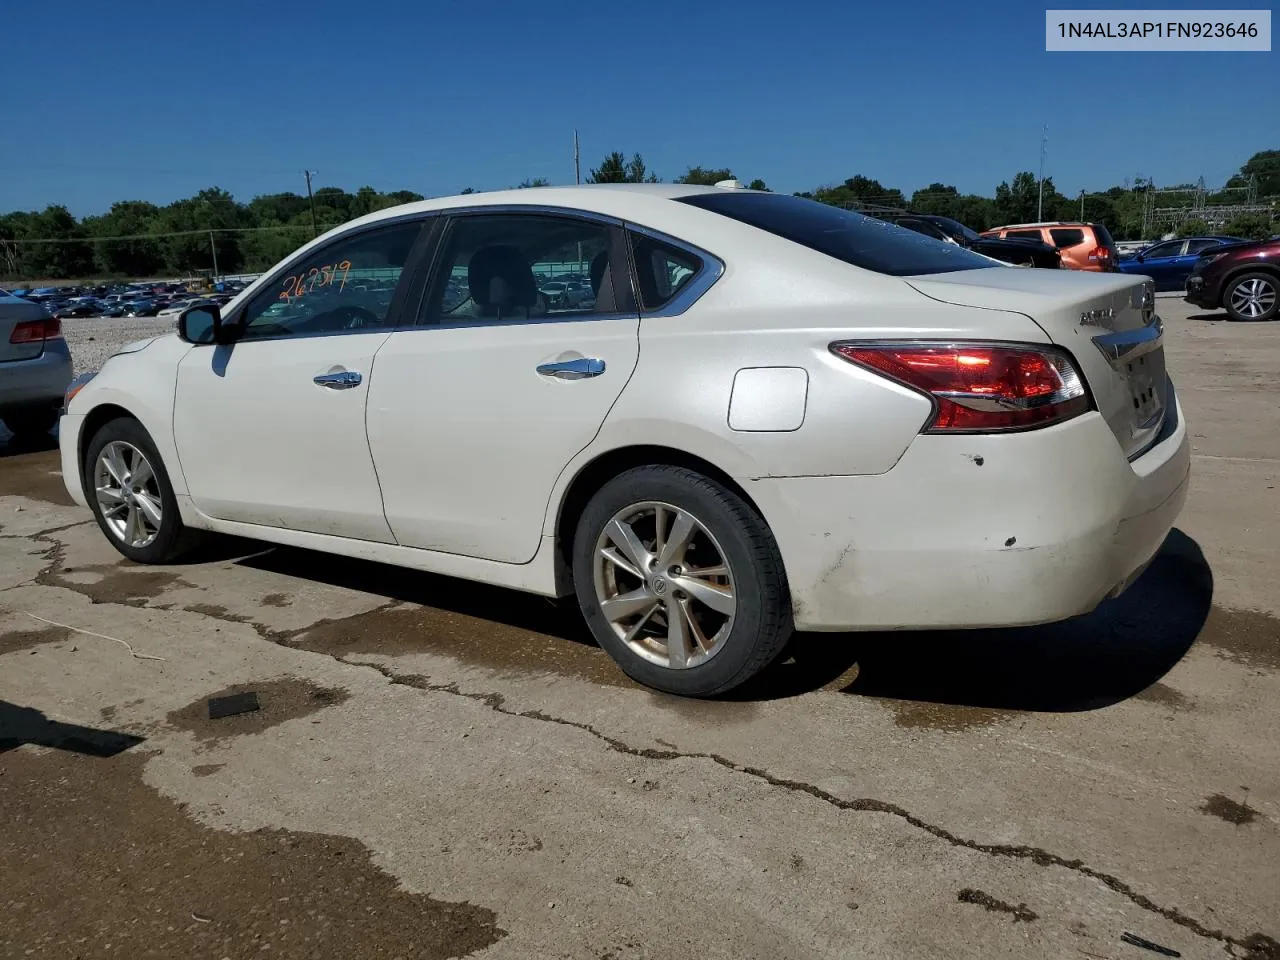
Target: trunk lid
<point>13,311</point>
<point>1106,320</point>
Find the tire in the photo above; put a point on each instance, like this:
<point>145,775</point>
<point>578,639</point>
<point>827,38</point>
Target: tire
<point>1253,297</point>
<point>31,423</point>
<point>671,650</point>
<point>163,542</point>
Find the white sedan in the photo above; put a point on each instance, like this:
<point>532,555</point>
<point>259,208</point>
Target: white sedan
<point>775,415</point>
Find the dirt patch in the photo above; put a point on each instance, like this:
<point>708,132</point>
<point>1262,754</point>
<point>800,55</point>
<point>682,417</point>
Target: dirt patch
<point>953,718</point>
<point>17,640</point>
<point>206,769</point>
<point>1232,811</point>
<point>1020,913</point>
<point>285,698</point>
<point>123,583</point>
<point>1245,636</point>
<point>1164,695</point>
<point>410,629</point>
<point>35,475</point>
<point>92,856</point>
<point>276,600</point>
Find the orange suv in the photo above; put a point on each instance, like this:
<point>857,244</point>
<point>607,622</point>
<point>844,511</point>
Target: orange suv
<point>1084,246</point>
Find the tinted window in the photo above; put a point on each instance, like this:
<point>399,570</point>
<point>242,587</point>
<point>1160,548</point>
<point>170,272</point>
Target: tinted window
<point>1170,249</point>
<point>345,286</point>
<point>956,228</point>
<point>512,267</point>
<point>1196,246</point>
<point>922,227</point>
<point>1064,237</point>
<point>662,270</point>
<point>1102,235</point>
<point>1024,235</point>
<point>851,237</point>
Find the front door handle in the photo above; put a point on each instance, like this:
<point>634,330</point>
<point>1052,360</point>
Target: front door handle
<point>578,369</point>
<point>343,380</point>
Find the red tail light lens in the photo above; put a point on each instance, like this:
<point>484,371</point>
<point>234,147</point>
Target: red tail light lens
<point>1100,256</point>
<point>980,388</point>
<point>36,331</point>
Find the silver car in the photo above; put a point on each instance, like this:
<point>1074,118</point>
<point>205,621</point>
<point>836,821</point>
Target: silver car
<point>35,367</point>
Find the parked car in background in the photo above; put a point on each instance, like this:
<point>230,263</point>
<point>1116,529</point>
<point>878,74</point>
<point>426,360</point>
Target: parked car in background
<point>79,308</point>
<point>769,419</point>
<point>1084,246</point>
<point>35,367</point>
<point>177,306</point>
<point>1242,277</point>
<point>1021,253</point>
<point>1170,262</point>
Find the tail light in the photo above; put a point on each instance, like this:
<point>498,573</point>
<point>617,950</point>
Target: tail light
<point>36,331</point>
<point>1102,256</point>
<point>980,387</point>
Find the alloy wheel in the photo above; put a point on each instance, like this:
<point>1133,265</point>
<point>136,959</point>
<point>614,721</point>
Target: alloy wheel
<point>1252,298</point>
<point>128,494</point>
<point>664,585</point>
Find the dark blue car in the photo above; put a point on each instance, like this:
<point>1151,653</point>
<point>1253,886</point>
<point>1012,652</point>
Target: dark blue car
<point>1170,262</point>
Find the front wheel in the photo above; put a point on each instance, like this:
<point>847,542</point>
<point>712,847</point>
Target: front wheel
<point>1254,296</point>
<point>131,496</point>
<point>680,581</point>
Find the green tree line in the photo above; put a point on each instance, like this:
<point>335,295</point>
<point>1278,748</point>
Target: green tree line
<point>140,239</point>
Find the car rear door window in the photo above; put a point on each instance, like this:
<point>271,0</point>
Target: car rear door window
<point>1064,237</point>
<point>862,241</point>
<point>1171,249</point>
<point>662,269</point>
<point>344,287</point>
<point>1024,235</point>
<point>522,267</point>
<point>1198,246</point>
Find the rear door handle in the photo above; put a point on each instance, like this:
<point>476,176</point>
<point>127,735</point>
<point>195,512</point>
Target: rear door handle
<point>578,369</point>
<point>343,380</point>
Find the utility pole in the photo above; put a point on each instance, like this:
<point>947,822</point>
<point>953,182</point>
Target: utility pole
<point>577,168</point>
<point>1044,146</point>
<point>315,230</point>
<point>213,249</point>
<point>1082,204</point>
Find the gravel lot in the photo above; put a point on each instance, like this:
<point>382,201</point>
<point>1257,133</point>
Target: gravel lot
<point>440,769</point>
<point>93,339</point>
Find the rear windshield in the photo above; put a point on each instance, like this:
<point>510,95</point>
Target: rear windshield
<point>851,237</point>
<point>1103,236</point>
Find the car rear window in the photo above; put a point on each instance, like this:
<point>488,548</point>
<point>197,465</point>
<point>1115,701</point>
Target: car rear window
<point>1066,237</point>
<point>1103,236</point>
<point>850,237</point>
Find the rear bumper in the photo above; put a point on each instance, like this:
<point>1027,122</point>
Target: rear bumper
<point>979,531</point>
<point>40,381</point>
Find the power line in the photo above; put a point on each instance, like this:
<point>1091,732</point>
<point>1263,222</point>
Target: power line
<point>161,236</point>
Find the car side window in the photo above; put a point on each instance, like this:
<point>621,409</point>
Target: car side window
<point>1064,237</point>
<point>344,287</point>
<point>1198,246</point>
<point>1024,235</point>
<point>520,267</point>
<point>1170,249</point>
<point>662,269</point>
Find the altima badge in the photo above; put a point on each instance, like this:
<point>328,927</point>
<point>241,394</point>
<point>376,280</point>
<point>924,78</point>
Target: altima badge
<point>1094,318</point>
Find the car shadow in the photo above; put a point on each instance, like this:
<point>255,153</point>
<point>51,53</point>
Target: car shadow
<point>1216,317</point>
<point>514,608</point>
<point>1089,662</point>
<point>22,725</point>
<point>11,446</point>
<point>1086,663</point>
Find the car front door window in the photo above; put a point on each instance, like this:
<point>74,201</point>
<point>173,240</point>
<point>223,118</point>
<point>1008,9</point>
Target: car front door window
<point>345,287</point>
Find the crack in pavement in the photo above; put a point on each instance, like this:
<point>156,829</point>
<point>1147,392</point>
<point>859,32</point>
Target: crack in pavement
<point>1258,946</point>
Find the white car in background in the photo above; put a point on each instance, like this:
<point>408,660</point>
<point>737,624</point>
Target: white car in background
<point>774,415</point>
<point>174,309</point>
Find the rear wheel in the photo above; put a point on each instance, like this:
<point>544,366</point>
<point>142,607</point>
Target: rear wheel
<point>680,581</point>
<point>131,496</point>
<point>31,423</point>
<point>1253,296</point>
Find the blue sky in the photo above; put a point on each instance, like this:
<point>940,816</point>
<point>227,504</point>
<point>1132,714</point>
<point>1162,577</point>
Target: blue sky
<point>145,100</point>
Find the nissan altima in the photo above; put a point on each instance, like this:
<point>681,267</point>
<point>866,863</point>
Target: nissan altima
<point>771,415</point>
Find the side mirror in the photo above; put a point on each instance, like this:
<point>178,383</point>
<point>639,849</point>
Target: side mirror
<point>201,324</point>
